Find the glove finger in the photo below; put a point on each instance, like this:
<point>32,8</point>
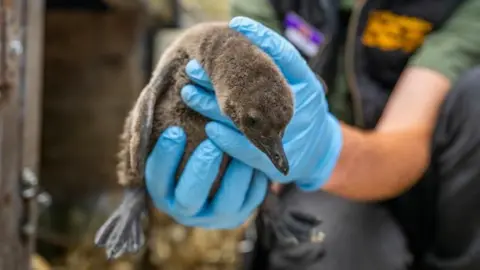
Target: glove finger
<point>256,194</point>
<point>239,147</point>
<point>198,75</point>
<point>197,178</point>
<point>204,103</point>
<point>329,161</point>
<point>210,219</point>
<point>285,55</point>
<point>233,189</point>
<point>163,162</point>
<point>308,99</point>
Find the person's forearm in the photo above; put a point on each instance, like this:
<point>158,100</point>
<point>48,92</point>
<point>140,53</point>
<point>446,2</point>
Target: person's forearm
<point>385,162</point>
<point>377,165</point>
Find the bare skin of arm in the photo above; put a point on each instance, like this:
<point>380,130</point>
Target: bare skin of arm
<point>385,162</point>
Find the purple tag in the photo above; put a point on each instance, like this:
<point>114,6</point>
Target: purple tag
<point>304,36</point>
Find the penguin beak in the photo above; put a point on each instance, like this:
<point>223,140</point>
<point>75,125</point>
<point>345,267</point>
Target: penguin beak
<point>272,146</point>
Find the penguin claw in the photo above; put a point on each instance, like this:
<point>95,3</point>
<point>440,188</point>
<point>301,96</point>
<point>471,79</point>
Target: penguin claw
<point>120,236</point>
<point>122,232</point>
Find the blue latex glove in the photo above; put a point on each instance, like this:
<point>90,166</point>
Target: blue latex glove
<point>242,188</point>
<point>313,138</point>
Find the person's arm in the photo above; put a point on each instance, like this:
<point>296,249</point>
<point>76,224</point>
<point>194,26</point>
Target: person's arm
<point>385,162</point>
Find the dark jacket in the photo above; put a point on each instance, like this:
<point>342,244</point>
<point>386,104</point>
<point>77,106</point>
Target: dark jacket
<point>390,36</point>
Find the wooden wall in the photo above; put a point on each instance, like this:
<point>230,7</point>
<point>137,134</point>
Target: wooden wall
<point>20,71</point>
<point>93,74</point>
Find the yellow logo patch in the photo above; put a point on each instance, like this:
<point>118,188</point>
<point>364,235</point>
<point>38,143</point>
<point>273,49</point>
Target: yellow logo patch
<point>389,32</point>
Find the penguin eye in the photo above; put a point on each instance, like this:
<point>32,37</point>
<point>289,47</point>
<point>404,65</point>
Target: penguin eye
<point>251,121</point>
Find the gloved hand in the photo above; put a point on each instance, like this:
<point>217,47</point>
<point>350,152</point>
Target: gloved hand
<point>313,138</point>
<point>242,188</point>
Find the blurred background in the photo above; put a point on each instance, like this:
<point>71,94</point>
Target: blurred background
<point>69,72</point>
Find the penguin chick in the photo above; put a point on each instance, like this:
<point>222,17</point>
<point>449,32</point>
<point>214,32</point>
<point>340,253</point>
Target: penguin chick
<point>250,90</point>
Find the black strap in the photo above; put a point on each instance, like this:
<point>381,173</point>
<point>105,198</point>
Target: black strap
<point>324,16</point>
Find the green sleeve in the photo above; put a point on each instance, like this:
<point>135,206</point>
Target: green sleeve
<point>455,47</point>
<point>259,10</point>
